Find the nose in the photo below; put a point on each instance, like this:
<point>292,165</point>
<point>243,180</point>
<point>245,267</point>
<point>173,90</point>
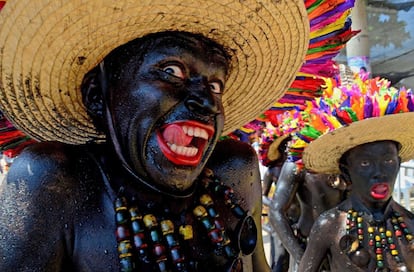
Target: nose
<point>200,99</point>
<point>379,173</point>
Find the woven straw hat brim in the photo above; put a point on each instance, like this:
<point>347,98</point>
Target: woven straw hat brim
<point>323,154</point>
<point>274,153</point>
<point>47,47</point>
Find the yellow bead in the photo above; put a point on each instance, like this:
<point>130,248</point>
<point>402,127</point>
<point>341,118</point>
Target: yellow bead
<point>125,255</point>
<point>167,227</point>
<point>381,229</point>
<point>200,211</point>
<point>206,200</point>
<point>409,237</point>
<point>379,257</point>
<point>394,252</point>
<point>388,233</point>
<point>377,238</point>
<point>150,221</point>
<point>186,231</point>
<point>370,229</point>
<point>359,219</point>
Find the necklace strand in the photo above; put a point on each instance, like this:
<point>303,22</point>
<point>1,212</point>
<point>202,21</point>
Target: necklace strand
<point>143,239</point>
<point>380,239</point>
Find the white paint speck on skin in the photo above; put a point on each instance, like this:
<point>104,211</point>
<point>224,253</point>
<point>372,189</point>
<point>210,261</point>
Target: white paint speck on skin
<point>29,169</point>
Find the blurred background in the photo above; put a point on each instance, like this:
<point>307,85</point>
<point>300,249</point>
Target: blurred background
<point>386,43</point>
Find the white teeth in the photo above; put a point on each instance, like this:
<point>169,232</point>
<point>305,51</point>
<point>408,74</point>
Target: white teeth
<point>195,131</point>
<point>183,150</point>
<point>203,134</point>
<point>190,131</point>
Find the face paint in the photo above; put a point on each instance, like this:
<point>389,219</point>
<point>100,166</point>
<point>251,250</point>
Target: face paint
<point>166,105</point>
<point>373,169</point>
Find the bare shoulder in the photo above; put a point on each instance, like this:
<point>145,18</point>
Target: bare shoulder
<point>50,171</point>
<point>236,165</point>
<point>329,221</point>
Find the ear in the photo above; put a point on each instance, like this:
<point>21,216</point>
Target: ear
<point>92,95</point>
<point>345,174</point>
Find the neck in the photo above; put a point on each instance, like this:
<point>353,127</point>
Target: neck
<point>378,210</point>
<point>120,175</point>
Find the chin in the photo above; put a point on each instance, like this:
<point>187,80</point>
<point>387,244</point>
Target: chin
<point>176,178</point>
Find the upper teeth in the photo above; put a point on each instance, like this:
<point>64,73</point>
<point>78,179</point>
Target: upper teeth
<point>195,131</point>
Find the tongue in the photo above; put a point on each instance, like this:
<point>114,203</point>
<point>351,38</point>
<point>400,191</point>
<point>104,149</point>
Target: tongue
<point>174,134</point>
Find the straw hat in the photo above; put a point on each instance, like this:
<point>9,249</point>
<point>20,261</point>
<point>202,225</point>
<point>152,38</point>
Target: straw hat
<point>274,153</point>
<point>47,47</point>
<point>354,115</point>
<point>323,154</point>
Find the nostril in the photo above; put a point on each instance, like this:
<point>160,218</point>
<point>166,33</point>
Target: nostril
<point>202,105</point>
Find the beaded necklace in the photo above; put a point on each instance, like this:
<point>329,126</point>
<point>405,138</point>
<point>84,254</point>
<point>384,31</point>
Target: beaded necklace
<point>147,241</point>
<point>380,238</point>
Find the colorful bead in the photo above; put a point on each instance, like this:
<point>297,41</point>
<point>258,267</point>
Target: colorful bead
<point>379,238</point>
<point>186,232</point>
<point>164,239</point>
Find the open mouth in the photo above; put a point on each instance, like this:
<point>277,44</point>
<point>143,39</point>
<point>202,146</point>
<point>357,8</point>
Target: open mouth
<point>183,142</point>
<point>380,191</point>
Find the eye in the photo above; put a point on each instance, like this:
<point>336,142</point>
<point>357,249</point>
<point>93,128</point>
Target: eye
<point>389,161</point>
<point>364,163</point>
<point>174,70</point>
<point>216,87</point>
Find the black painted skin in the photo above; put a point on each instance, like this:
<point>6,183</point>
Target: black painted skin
<point>364,166</point>
<point>314,195</point>
<point>56,211</point>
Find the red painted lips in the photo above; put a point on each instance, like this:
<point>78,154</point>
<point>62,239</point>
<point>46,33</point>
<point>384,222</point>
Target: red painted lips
<point>183,143</point>
<point>380,191</point>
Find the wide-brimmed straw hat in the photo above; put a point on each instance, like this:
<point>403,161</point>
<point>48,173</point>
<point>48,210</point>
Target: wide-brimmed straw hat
<point>359,114</point>
<point>274,154</point>
<point>47,46</point>
<point>323,154</point>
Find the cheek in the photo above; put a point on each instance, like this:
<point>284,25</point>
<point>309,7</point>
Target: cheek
<point>360,173</point>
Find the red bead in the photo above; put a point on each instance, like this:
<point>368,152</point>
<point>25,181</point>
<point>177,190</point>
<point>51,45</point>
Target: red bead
<point>215,236</point>
<point>139,240</point>
<point>159,251</point>
<point>122,233</point>
<point>219,224</point>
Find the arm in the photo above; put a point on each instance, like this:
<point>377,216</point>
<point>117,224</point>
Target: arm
<point>237,165</point>
<point>286,189</point>
<point>32,215</point>
<point>267,182</point>
<point>318,243</point>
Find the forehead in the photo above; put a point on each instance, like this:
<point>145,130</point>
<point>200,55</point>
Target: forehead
<point>199,47</point>
<point>373,149</point>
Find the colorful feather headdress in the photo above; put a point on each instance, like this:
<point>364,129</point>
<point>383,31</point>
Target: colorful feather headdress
<point>350,115</point>
<point>330,27</point>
